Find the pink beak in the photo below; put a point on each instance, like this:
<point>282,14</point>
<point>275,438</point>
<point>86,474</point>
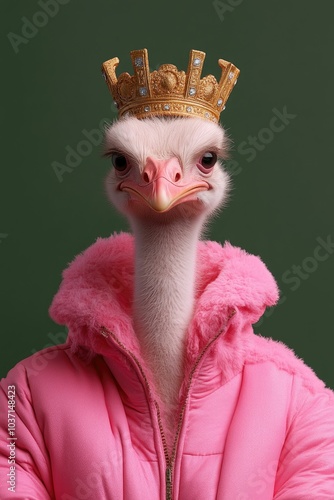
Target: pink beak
<point>162,187</point>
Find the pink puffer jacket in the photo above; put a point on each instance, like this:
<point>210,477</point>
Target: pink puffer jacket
<point>255,423</point>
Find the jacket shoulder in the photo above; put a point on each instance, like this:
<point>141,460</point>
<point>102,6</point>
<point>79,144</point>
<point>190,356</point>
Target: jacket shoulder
<point>265,349</point>
<point>59,361</point>
<point>36,364</point>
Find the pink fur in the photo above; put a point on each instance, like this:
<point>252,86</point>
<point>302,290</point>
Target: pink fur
<point>97,291</point>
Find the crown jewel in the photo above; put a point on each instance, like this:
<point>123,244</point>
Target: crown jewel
<point>169,91</point>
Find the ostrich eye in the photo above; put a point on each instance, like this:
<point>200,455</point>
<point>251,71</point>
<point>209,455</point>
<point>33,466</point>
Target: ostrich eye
<point>208,160</point>
<point>119,161</point>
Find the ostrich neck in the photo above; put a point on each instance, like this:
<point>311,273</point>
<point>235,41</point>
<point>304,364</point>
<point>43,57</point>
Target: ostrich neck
<point>165,261</point>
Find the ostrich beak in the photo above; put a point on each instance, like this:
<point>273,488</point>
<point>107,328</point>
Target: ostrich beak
<point>163,186</point>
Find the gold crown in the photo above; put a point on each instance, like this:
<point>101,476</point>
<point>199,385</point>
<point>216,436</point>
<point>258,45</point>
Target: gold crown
<point>168,91</point>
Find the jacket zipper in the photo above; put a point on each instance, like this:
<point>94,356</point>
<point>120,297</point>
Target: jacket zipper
<point>170,459</point>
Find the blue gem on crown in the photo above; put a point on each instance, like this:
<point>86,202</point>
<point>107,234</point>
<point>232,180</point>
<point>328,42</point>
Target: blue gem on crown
<point>139,63</point>
<point>143,91</point>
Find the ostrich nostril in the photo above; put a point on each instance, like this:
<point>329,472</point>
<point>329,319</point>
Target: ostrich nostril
<point>177,177</point>
<point>146,177</point>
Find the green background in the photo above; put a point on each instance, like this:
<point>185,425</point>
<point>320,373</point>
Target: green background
<point>282,200</point>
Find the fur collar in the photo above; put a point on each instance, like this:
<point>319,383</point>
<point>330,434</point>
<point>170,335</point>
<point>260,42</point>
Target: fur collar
<point>97,291</point>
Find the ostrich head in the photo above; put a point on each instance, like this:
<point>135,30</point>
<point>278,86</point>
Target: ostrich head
<point>166,168</point>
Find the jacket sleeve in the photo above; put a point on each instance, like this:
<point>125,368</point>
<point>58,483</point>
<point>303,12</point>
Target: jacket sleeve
<point>306,466</point>
<point>24,464</point>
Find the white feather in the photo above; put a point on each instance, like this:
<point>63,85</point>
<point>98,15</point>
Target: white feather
<point>165,266</point>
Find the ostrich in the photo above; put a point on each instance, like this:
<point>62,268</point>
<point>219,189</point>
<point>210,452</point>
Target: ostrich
<point>168,181</point>
<point>166,178</point>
